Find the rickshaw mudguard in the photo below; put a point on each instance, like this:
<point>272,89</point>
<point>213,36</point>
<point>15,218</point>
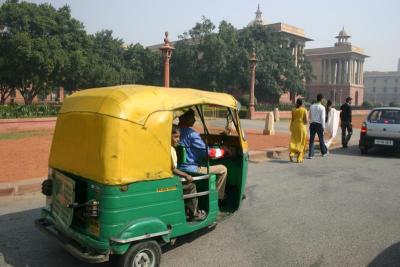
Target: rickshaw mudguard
<point>140,229</point>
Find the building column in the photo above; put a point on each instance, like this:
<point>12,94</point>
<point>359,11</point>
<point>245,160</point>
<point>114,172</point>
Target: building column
<point>357,71</point>
<point>329,71</point>
<point>362,72</point>
<point>351,71</point>
<point>335,73</point>
<point>344,71</point>
<point>326,71</point>
<point>339,79</point>
<point>322,70</point>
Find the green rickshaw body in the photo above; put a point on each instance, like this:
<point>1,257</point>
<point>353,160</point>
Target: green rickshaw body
<point>110,178</point>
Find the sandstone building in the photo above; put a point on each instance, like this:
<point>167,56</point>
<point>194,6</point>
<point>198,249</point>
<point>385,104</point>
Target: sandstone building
<point>338,71</point>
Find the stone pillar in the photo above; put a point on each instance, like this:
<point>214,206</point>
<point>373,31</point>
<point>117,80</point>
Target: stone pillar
<point>166,51</point>
<point>253,64</point>
<point>269,124</point>
<point>322,71</point>
<point>339,79</point>
<point>295,55</point>
<point>276,114</point>
<point>61,94</point>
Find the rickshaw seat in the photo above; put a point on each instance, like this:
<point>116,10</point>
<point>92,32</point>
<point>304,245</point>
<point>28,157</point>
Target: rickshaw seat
<point>181,154</point>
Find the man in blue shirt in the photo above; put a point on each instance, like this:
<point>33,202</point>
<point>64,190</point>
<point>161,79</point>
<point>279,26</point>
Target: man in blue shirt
<point>196,152</point>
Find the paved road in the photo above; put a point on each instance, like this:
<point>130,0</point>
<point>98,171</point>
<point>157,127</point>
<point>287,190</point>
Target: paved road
<point>342,210</point>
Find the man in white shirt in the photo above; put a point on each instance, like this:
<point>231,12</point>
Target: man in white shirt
<point>317,126</point>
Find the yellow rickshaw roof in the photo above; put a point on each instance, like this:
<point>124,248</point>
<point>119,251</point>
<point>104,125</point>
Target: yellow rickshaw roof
<point>136,102</point>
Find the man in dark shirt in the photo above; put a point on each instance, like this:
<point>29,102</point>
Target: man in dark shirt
<point>345,118</point>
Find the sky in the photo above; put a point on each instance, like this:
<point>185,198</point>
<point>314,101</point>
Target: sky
<point>373,25</point>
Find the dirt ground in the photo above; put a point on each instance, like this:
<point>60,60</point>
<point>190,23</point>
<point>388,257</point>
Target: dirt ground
<point>24,158</point>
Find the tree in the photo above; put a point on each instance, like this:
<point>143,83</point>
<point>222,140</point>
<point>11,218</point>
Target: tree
<point>37,52</point>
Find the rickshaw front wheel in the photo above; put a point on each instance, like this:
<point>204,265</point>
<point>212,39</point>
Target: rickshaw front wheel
<point>143,254</point>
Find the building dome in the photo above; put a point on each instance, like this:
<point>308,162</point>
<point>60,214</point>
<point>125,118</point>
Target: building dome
<point>342,38</point>
<point>258,20</point>
<point>343,34</point>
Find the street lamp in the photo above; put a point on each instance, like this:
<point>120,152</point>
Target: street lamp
<point>166,51</point>
<point>253,63</point>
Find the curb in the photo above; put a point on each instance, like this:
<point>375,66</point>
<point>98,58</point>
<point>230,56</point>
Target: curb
<point>257,156</point>
<point>21,187</point>
<point>24,120</point>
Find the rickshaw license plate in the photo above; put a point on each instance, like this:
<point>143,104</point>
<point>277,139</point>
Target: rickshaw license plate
<point>64,195</point>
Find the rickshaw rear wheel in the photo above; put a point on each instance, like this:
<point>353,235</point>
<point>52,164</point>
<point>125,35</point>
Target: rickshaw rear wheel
<point>146,253</point>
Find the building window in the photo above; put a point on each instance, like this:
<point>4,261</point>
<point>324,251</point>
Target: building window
<point>395,89</point>
<point>374,80</point>
<point>396,80</point>
<point>384,89</point>
<point>374,89</point>
<point>385,80</point>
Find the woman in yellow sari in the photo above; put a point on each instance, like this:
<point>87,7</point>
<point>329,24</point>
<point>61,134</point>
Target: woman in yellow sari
<point>298,129</point>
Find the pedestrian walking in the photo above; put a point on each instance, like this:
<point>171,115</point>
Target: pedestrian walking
<point>345,122</point>
<point>317,126</point>
<point>332,123</point>
<point>298,137</point>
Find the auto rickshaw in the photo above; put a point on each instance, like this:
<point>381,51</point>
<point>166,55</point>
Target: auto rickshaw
<point>111,190</point>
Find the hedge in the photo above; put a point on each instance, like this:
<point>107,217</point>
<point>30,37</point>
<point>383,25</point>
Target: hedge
<point>29,111</point>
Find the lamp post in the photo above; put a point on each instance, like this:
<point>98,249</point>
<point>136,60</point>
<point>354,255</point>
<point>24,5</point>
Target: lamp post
<point>166,51</point>
<point>253,64</point>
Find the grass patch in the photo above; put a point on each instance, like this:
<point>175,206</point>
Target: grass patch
<point>23,134</point>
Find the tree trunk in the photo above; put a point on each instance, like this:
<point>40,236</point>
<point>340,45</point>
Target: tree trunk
<point>4,94</point>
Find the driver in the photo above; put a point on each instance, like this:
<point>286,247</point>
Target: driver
<point>196,152</point>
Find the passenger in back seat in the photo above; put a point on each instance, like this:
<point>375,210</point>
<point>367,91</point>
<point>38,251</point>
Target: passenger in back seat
<point>189,187</point>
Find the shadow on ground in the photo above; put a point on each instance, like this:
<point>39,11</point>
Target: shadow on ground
<point>388,257</point>
<point>377,152</point>
<point>22,244</point>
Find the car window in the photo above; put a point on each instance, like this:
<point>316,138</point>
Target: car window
<point>386,116</point>
<point>374,116</point>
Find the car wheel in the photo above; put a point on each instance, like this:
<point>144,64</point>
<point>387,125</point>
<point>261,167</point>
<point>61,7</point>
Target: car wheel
<point>146,254</point>
<point>364,150</point>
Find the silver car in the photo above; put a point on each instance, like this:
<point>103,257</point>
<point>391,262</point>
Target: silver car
<point>381,128</point>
